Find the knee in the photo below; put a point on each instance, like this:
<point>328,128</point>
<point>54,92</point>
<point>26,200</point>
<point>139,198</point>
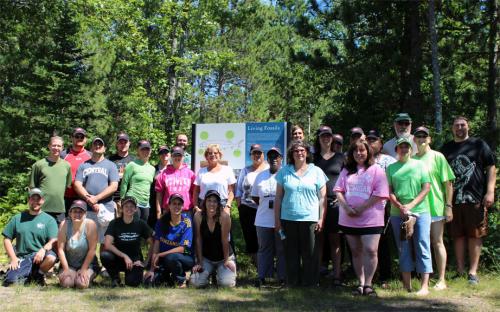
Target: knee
<point>198,279</point>
<point>133,280</point>
<point>48,263</point>
<point>82,285</point>
<point>66,281</point>
<point>226,280</point>
<point>106,256</point>
<point>371,252</point>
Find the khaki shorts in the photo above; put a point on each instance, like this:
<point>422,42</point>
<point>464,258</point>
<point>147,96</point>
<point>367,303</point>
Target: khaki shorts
<point>469,220</point>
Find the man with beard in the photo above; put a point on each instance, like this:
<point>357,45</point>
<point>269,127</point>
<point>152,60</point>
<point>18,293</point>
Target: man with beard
<point>473,164</point>
<point>182,141</point>
<point>47,175</point>
<point>402,127</point>
<point>35,233</point>
<point>96,181</point>
<point>121,159</point>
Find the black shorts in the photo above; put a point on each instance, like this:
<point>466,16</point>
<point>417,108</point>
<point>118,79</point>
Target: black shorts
<point>361,231</point>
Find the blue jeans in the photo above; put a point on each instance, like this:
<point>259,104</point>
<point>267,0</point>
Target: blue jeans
<point>420,243</point>
<point>175,265</point>
<point>27,268</point>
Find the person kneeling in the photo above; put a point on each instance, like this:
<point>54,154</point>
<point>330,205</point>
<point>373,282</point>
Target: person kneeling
<point>123,240</point>
<point>213,249</point>
<point>77,241</point>
<point>173,238</point>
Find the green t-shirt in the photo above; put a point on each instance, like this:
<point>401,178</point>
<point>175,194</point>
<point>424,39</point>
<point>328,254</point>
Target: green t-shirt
<point>439,172</point>
<point>52,178</point>
<point>30,232</point>
<point>406,181</point>
<point>136,181</point>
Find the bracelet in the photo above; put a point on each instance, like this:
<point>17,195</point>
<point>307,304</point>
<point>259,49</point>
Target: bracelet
<point>449,206</point>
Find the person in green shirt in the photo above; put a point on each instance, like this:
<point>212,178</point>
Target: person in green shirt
<point>409,184</point>
<point>35,233</point>
<point>440,197</point>
<point>52,175</point>
<point>137,179</point>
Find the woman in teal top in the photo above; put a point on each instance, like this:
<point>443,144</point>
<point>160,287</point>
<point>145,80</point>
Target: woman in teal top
<point>137,179</point>
<point>409,184</point>
<point>299,206</point>
<point>76,246</point>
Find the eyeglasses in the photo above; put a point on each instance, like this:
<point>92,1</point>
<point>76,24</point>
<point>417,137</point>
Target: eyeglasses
<point>79,136</point>
<point>256,153</point>
<point>299,151</point>
<point>421,136</point>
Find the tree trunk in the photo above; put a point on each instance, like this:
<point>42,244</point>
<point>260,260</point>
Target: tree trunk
<point>493,77</point>
<point>436,78</point>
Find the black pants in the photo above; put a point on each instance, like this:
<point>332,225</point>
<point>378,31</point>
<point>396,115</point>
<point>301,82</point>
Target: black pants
<point>114,265</point>
<point>384,254</point>
<point>247,220</point>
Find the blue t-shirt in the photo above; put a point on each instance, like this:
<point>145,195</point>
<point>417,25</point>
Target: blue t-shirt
<point>95,177</point>
<point>301,194</point>
<point>174,236</point>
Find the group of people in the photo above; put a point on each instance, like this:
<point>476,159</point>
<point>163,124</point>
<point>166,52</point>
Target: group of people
<point>294,216</point>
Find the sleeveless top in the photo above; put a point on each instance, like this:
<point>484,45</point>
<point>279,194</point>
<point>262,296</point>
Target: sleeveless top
<point>212,242</point>
<point>76,249</point>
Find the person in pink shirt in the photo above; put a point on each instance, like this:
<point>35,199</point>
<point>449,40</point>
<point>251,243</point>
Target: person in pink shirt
<point>176,178</point>
<point>361,188</point>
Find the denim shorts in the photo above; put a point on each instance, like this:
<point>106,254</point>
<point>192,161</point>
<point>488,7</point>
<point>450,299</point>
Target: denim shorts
<point>420,243</point>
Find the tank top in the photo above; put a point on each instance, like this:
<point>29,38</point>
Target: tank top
<point>76,249</point>
<point>212,242</point>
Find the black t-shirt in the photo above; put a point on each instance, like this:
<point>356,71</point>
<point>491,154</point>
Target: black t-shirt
<point>469,160</point>
<point>121,163</point>
<point>127,237</point>
<point>331,168</point>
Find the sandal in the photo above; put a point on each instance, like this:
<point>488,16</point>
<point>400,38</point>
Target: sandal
<point>369,291</point>
<point>358,291</point>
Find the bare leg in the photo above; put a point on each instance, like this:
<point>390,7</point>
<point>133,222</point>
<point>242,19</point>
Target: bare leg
<point>67,280</point>
<point>357,256</point>
<point>370,257</point>
<point>424,289</point>
<point>459,244</point>
<point>336,254</point>
<point>437,229</point>
<point>475,245</point>
<point>47,263</point>
<point>406,280</point>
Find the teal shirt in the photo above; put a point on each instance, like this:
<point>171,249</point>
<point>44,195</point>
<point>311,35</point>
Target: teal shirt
<point>136,181</point>
<point>29,232</point>
<point>301,194</point>
<point>406,180</point>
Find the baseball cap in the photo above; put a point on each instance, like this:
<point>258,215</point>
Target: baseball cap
<point>174,196</point>
<point>144,144</point>
<point>402,117</point>
<point>356,130</point>
<point>122,136</point>
<point>338,138</point>
<point>163,148</point>
<point>422,129</point>
<point>274,150</point>
<point>402,141</point>
<point>79,130</point>
<point>177,150</point>
<point>213,193</point>
<point>324,130</point>
<point>78,203</point>
<point>98,139</point>
<point>129,199</point>
<point>256,147</point>
<point>373,134</point>
<point>35,191</point>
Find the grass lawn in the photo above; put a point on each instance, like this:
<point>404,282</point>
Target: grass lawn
<point>458,297</point>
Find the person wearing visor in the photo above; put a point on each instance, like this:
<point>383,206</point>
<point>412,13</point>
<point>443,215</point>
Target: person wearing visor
<point>122,246</point>
<point>76,248</point>
<point>137,179</point>
<point>172,254</point>
<point>440,197</point>
<point>409,184</point>
<point>214,253</point>
<point>269,241</point>
<point>35,234</point>
<point>247,208</point>
<point>402,128</point>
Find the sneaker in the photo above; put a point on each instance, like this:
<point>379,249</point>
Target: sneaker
<point>472,279</point>
<point>116,283</point>
<point>104,272</point>
<point>39,278</point>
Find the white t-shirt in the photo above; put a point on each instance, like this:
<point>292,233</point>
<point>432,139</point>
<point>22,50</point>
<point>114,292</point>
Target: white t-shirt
<point>390,147</point>
<point>218,181</point>
<point>264,188</point>
<point>244,186</point>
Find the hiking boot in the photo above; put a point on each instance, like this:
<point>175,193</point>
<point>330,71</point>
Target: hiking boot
<point>472,279</point>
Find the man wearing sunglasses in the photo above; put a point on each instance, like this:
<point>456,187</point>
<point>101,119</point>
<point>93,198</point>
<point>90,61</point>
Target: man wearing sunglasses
<point>76,154</point>
<point>402,127</point>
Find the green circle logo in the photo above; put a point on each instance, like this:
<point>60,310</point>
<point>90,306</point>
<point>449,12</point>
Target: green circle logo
<point>204,135</point>
<point>237,153</point>
<point>229,134</point>
<point>201,151</point>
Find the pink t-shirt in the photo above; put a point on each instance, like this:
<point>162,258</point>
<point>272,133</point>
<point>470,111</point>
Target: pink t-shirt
<point>172,181</point>
<point>357,188</point>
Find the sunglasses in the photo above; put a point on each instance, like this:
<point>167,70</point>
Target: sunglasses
<point>421,136</point>
<point>403,123</point>
<point>79,136</point>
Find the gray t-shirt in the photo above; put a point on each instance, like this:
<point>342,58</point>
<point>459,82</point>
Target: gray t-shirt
<point>95,177</point>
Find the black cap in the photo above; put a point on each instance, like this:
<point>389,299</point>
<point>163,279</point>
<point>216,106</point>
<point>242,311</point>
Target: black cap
<point>79,130</point>
<point>422,129</point>
<point>78,203</point>
<point>274,150</point>
<point>402,117</point>
<point>373,134</point>
<point>356,130</point>
<point>122,136</point>
<point>144,144</point>
<point>213,193</point>
<point>256,148</point>
<point>338,138</point>
<point>98,139</point>
<point>174,196</point>
<point>324,130</point>
<point>177,150</point>
<point>163,148</point>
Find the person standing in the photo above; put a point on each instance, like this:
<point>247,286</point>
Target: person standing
<point>96,181</point>
<point>473,163</point>
<point>121,158</point>
<point>76,155</point>
<point>163,161</point>
<point>182,141</point>
<point>297,133</point>
<point>52,175</point>
<point>247,208</point>
<point>299,208</point>
<point>35,234</point>
<point>402,127</point>
<point>137,179</point>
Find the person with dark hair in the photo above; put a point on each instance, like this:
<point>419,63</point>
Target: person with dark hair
<point>136,182</point>
<point>122,246</point>
<point>331,163</point>
<point>361,189</point>
<point>182,141</point>
<point>409,184</point>
<point>173,237</point>
<point>299,208</point>
<point>76,247</point>
<point>163,161</point>
<point>247,208</point>
<point>338,142</point>
<point>35,234</point>
<point>121,159</point>
<point>473,163</point>
<point>214,253</point>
